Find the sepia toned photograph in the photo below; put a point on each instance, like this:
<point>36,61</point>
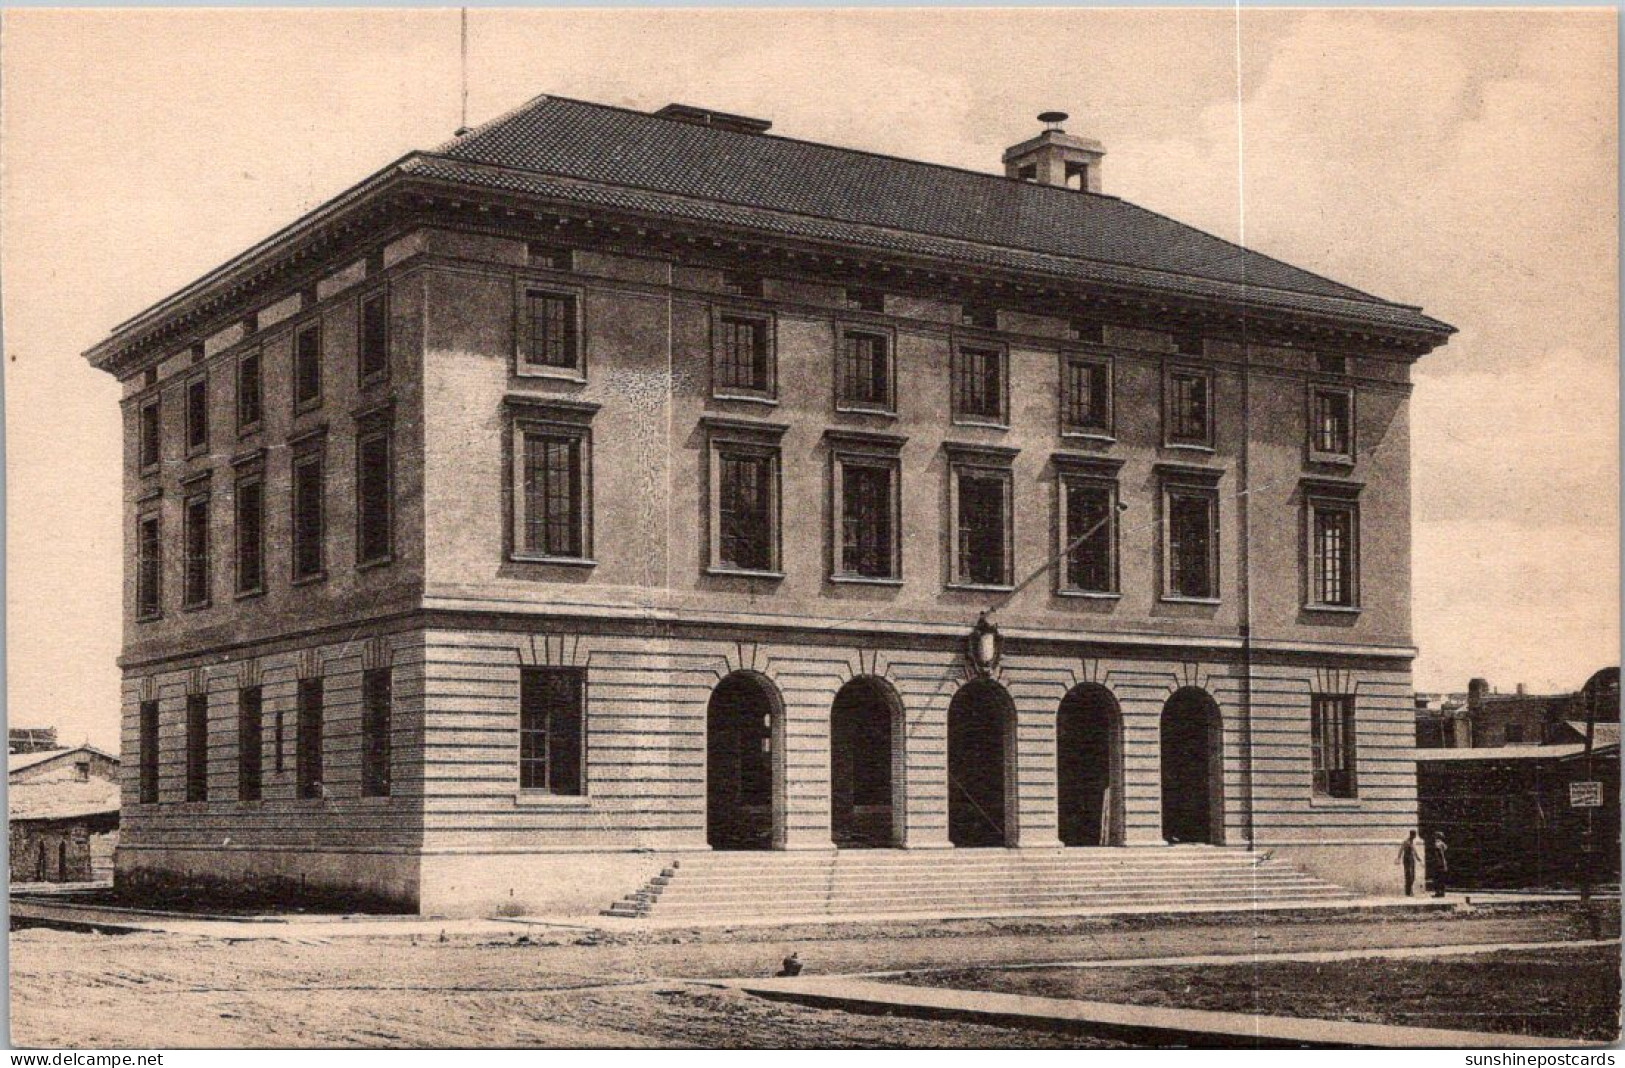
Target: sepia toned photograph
<point>834,528</point>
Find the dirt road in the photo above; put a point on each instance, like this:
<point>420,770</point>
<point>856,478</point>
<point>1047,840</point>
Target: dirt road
<point>135,991</point>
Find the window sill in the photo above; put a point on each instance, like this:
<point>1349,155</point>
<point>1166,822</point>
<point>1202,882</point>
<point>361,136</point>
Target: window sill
<point>573,375</point>
<point>306,407</point>
<point>1189,446</point>
<point>194,451</point>
<point>985,424</point>
<point>155,617</point>
<point>245,595</point>
<point>150,470</point>
<point>543,799</point>
<point>980,587</point>
<point>249,430</point>
<point>859,409</point>
<point>198,606</point>
<point>865,580</point>
<point>748,398</point>
<point>1333,609</point>
<point>309,580</point>
<point>377,378</point>
<point>1339,459</point>
<point>556,561</point>
<point>1100,437</point>
<point>739,572</point>
<point>375,563</point>
<point>1090,595</point>
<point>1169,599</point>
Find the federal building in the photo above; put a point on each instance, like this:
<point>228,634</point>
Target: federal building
<point>609,494</point>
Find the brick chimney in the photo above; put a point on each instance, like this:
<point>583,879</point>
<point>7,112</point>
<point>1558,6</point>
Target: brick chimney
<point>1056,157</point>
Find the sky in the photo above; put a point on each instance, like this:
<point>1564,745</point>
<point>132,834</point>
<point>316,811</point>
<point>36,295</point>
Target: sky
<point>1462,160</point>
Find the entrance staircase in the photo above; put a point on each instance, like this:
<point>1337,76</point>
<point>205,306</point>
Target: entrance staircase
<point>745,886</point>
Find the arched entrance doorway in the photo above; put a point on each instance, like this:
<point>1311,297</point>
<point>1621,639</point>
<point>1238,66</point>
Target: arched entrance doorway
<point>1089,768</point>
<point>740,726</point>
<point>1192,768</point>
<point>865,726</point>
<point>981,722</point>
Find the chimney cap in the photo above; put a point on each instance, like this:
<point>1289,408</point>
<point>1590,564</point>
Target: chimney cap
<point>1053,119</point>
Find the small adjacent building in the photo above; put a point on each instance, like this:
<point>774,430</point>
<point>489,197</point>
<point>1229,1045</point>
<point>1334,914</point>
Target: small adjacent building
<point>63,814</point>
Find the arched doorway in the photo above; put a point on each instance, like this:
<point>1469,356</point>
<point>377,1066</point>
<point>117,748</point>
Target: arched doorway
<point>1089,767</point>
<point>981,723</point>
<point>1192,768</point>
<point>865,769</point>
<point>740,726</point>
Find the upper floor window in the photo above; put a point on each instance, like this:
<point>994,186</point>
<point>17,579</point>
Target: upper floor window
<point>1331,424</point>
<point>150,448</point>
<point>1187,407</point>
<point>1086,396</point>
<point>372,355</point>
<point>979,383</point>
<point>250,392</point>
<point>980,517</point>
<point>742,283</point>
<point>868,501</point>
<point>553,491</point>
<point>1091,330</point>
<point>149,568</point>
<point>864,369</point>
<point>1333,537</point>
<point>309,514</point>
<point>742,355</point>
<point>196,585</point>
<point>860,298</point>
<point>147,730</point>
<point>552,730</point>
<point>1334,363</point>
<point>1189,344</point>
<point>249,509</point>
<point>746,508</point>
<point>981,316</point>
<point>1331,727</point>
<point>552,257</point>
<point>551,328</point>
<point>197,415</point>
<point>1088,531</point>
<point>1190,541</point>
<point>374,493</point>
<point>307,367</point>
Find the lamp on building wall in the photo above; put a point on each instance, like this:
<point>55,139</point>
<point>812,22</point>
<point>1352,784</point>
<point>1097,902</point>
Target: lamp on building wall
<point>984,646</point>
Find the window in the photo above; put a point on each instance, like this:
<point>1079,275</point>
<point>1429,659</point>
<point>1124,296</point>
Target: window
<point>1088,534</point>
<point>867,542</point>
<point>552,711</point>
<point>859,298</point>
<point>307,367</point>
<point>149,752</point>
<point>1086,396</point>
<point>742,283</point>
<point>250,742</point>
<point>981,316</point>
<point>250,392</point>
<point>979,383</point>
<point>746,514</point>
<point>81,770</point>
<point>372,357</point>
<point>197,415</point>
<point>979,511</point>
<point>308,515</point>
<point>742,355</point>
<point>196,587</point>
<point>1332,363</point>
<point>197,747</point>
<point>149,568</point>
<point>1188,409</point>
<point>550,332</point>
<point>1090,330</point>
<point>552,493</point>
<point>151,448</point>
<point>374,494</point>
<point>1514,733</point>
<point>250,515</point>
<point>1190,543</point>
<point>1332,536</point>
<point>1331,727</point>
<point>552,257</point>
<point>308,752</point>
<point>376,697</point>
<point>864,370</point>
<point>1331,424</point>
<point>1188,344</point>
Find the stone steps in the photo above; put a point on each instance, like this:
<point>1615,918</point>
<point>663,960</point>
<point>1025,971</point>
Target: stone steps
<point>755,886</point>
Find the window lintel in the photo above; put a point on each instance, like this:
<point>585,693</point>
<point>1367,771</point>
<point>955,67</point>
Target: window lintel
<point>1074,463</point>
<point>1188,474</point>
<point>985,455</point>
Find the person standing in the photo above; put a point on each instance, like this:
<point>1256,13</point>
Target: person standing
<point>1409,854</point>
<point>1438,863</point>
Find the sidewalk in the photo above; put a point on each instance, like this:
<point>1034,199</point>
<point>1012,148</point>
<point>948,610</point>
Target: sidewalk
<point>1138,1024</point>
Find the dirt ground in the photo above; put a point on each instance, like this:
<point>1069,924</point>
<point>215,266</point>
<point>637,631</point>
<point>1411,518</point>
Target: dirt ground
<point>572,988</point>
<point>1568,993</point>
